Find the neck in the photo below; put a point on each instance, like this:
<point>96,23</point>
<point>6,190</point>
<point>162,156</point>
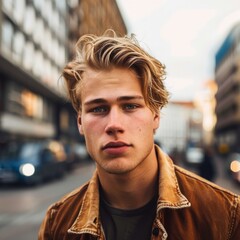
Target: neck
<point>133,189</point>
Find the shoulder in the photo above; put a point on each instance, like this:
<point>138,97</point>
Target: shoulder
<point>62,213</point>
<point>207,196</point>
<point>67,207</point>
<point>216,206</point>
<point>188,180</point>
<point>75,196</point>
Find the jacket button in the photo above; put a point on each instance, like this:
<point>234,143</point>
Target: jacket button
<point>155,231</point>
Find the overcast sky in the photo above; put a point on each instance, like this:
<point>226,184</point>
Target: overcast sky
<point>182,34</point>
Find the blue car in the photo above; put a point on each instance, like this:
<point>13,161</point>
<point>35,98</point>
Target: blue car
<point>32,162</point>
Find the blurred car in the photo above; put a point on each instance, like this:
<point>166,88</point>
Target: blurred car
<point>32,162</point>
<point>194,155</point>
<point>80,152</point>
<point>76,153</point>
<point>234,166</point>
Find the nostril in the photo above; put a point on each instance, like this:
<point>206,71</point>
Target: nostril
<point>114,129</point>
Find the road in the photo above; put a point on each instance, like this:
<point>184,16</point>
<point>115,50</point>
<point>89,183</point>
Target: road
<point>23,208</point>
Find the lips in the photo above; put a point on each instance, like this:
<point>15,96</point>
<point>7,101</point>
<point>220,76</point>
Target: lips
<point>116,149</point>
<point>115,145</point>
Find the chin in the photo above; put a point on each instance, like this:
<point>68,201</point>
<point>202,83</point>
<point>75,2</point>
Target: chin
<point>118,171</point>
<point>118,168</point>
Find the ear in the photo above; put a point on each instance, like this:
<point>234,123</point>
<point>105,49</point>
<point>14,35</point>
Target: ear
<point>79,124</point>
<point>156,121</point>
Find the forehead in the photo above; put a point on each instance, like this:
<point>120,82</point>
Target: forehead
<point>109,83</point>
<point>107,74</point>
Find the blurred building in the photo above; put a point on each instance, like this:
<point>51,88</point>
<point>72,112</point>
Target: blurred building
<point>227,74</point>
<point>206,103</point>
<point>36,41</point>
<point>95,17</point>
<point>180,126</point>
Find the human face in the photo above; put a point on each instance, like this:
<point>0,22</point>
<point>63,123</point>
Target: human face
<point>115,120</point>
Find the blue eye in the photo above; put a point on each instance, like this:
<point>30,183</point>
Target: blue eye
<point>130,106</point>
<point>99,110</point>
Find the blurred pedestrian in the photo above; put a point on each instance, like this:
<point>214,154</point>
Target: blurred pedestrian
<point>137,192</point>
<point>207,167</point>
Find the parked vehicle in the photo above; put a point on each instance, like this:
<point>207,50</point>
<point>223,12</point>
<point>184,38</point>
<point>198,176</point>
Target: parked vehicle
<point>76,153</point>
<point>32,162</point>
<point>80,152</point>
<point>194,155</point>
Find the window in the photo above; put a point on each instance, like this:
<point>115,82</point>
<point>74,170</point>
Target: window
<point>38,4</point>
<point>23,102</point>
<point>13,99</point>
<point>30,102</point>
<point>7,36</point>
<point>47,72</point>
<point>38,59</point>
<point>49,43</point>
<point>61,5</point>
<point>43,9</point>
<point>55,77</point>
<point>49,14</point>
<point>18,46</point>
<point>38,32</point>
<point>62,56</point>
<point>29,20</point>
<point>63,32</point>
<point>28,56</point>
<point>8,5</point>
<point>19,10</point>
<point>55,51</point>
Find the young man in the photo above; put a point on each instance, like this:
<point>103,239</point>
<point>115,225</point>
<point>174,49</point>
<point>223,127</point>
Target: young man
<point>136,192</point>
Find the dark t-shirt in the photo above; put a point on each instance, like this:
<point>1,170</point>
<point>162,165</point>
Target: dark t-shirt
<point>121,224</point>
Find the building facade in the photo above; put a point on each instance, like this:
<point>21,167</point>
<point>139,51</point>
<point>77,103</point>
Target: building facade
<point>36,41</point>
<point>180,126</point>
<point>94,17</point>
<point>227,76</point>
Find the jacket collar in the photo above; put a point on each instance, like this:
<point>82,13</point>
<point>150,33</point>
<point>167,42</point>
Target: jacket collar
<point>170,196</point>
<point>87,220</point>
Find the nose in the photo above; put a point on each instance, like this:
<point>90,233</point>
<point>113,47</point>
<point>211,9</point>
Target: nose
<point>114,122</point>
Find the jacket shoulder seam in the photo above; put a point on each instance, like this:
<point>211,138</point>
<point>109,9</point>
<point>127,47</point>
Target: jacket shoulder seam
<point>204,181</point>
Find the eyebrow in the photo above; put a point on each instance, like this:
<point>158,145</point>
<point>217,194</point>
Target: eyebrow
<point>119,99</point>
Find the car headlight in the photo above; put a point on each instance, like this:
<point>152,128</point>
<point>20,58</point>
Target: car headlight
<point>235,166</point>
<point>27,169</point>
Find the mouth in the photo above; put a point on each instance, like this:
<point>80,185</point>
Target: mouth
<point>115,145</point>
<point>116,148</point>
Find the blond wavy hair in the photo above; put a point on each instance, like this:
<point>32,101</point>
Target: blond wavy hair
<point>112,51</point>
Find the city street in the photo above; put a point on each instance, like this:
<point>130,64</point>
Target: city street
<point>23,208</point>
<point>223,180</point>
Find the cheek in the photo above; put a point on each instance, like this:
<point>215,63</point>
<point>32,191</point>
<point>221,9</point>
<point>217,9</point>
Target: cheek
<point>147,120</point>
<point>149,125</point>
<point>91,126</point>
<point>143,127</point>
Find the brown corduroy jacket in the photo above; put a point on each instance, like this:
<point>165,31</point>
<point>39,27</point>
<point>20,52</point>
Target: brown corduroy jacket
<point>189,208</point>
